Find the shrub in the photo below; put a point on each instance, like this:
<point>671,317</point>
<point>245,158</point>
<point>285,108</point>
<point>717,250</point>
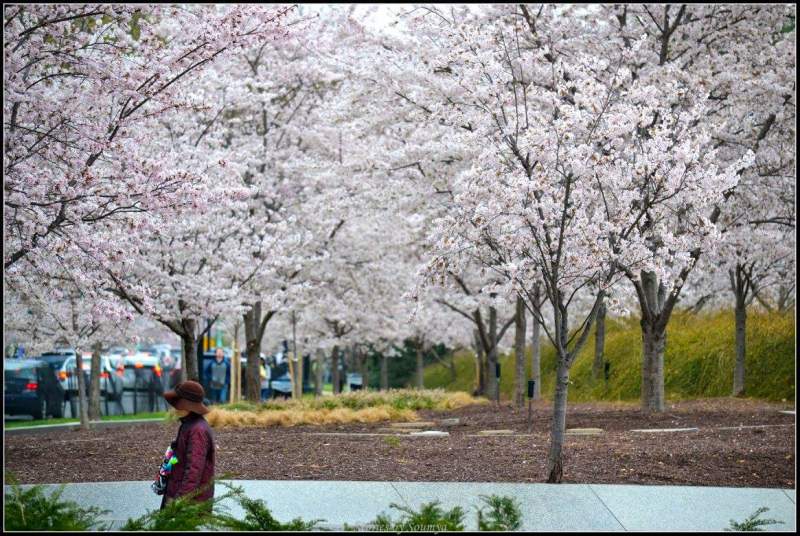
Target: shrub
<point>182,514</point>
<point>259,518</point>
<point>392,441</point>
<point>503,514</point>
<point>430,518</point>
<point>752,523</point>
<point>186,514</point>
<point>34,510</point>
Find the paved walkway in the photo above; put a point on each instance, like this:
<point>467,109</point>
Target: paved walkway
<point>556,507</point>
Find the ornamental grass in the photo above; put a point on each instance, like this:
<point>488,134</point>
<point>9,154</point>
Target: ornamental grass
<point>399,405</point>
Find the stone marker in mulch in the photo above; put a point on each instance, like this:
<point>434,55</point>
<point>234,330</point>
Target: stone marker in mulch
<point>419,424</point>
<point>666,430</point>
<point>788,412</point>
<point>584,431</point>
<point>755,426</point>
<point>447,423</point>
<point>397,431</point>
<point>430,433</point>
<point>496,432</point>
<point>513,436</point>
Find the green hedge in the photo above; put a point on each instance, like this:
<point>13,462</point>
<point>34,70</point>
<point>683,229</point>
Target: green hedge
<point>698,363</point>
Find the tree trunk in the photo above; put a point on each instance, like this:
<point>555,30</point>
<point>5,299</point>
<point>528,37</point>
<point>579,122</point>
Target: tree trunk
<point>519,354</point>
<point>318,373</point>
<point>785,301</point>
<point>536,358</point>
<point>558,429</point>
<point>493,382</point>
<point>94,381</point>
<point>345,369</point>
<point>188,338</point>
<point>82,402</point>
<point>384,372</point>
<point>741,323</point>
<point>420,367</point>
<point>236,369</point>
<point>599,342</point>
<point>480,375</point>
<point>335,370</point>
<point>254,326</point>
<point>93,389</point>
<point>451,364</point>
<point>654,340</point>
<point>364,369</point>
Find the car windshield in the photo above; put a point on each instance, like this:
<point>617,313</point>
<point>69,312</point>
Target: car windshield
<point>54,360</point>
<point>24,373</point>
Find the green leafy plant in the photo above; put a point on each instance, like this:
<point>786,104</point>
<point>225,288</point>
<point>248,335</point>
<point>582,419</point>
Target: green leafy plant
<point>34,510</point>
<point>259,518</point>
<point>503,514</point>
<point>753,523</point>
<point>430,518</point>
<point>183,514</point>
<point>392,441</point>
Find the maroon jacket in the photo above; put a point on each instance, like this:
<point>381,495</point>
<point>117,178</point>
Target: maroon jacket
<point>195,452</point>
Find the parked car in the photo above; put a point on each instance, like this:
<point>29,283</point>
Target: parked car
<point>139,370</point>
<point>31,388</point>
<point>110,383</point>
<point>63,362</point>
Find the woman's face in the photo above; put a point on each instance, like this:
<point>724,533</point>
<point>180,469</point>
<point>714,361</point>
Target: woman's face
<point>181,413</point>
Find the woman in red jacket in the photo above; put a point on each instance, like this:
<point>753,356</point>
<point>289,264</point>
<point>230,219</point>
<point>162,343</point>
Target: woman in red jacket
<point>194,446</point>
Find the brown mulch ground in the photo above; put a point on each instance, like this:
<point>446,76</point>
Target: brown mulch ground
<point>752,457</point>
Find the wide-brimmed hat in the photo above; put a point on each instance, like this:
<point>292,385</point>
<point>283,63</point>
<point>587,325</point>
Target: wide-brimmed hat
<point>188,396</point>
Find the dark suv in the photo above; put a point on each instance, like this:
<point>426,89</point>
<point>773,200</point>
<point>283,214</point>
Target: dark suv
<point>32,388</point>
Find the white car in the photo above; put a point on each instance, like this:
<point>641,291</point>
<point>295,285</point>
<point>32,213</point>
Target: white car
<point>110,384</point>
<point>138,370</point>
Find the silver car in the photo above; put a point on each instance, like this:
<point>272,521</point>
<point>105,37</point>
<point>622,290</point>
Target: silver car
<point>110,383</point>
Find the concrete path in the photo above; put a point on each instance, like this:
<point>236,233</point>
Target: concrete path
<point>545,507</point>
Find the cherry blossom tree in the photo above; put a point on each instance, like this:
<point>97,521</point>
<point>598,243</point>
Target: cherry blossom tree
<point>744,64</point>
<point>573,181</point>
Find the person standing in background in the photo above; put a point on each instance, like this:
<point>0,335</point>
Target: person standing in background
<point>218,373</point>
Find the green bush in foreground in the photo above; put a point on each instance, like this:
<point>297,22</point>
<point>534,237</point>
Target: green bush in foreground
<point>182,514</point>
<point>500,514</point>
<point>259,518</point>
<point>35,510</point>
<point>753,523</point>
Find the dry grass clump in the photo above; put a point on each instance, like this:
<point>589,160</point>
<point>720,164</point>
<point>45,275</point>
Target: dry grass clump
<point>415,399</point>
<point>219,417</point>
<point>356,407</point>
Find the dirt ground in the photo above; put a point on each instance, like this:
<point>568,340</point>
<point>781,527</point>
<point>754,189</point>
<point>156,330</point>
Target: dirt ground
<point>760,456</point>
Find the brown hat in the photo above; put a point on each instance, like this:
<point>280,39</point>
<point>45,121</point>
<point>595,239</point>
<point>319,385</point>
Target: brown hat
<point>189,396</point>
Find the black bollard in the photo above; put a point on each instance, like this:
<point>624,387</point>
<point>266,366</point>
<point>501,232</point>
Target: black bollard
<point>531,389</point>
